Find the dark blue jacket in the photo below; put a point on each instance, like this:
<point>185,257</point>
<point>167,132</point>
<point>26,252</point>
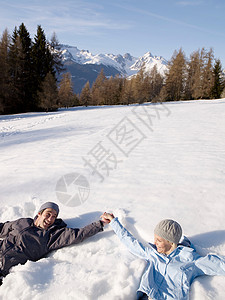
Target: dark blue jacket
<point>22,240</point>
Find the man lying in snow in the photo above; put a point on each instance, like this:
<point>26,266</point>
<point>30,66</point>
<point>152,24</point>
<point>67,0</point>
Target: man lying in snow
<point>171,267</point>
<point>31,239</point>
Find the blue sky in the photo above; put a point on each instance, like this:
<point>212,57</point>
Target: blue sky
<point>120,26</point>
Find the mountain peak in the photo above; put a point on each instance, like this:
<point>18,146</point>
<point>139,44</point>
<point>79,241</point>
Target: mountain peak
<point>125,65</point>
<point>127,56</point>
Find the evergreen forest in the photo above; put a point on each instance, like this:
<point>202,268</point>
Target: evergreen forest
<point>32,78</point>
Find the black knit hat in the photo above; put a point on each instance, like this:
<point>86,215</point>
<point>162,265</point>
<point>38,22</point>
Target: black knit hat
<point>49,205</point>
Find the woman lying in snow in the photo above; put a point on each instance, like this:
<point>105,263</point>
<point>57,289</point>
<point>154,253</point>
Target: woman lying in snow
<point>171,267</point>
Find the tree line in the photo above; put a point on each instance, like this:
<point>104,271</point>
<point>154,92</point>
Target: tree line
<point>29,71</point>
<point>199,77</point>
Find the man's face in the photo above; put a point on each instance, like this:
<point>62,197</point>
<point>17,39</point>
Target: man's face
<point>162,245</point>
<point>46,218</point>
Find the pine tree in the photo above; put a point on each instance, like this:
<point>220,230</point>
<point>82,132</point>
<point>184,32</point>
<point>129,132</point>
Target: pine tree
<point>197,87</point>
<point>138,86</point>
<point>76,101</point>
<point>113,88</point>
<point>24,67</point>
<point>218,80</point>
<point>208,79</point>
<point>56,53</point>
<point>85,96</point>
<point>48,94</point>
<point>151,86</point>
<point>98,89</point>
<point>175,77</point>
<point>193,82</point>
<point>16,61</point>
<point>200,74</point>
<point>21,70</point>
<point>146,92</point>
<point>26,76</point>
<point>127,92</point>
<point>4,72</point>
<point>66,94</point>
<point>156,84</point>
<point>147,86</point>
<point>43,62</point>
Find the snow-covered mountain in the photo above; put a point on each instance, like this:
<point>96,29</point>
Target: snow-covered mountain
<point>125,64</point>
<point>85,66</point>
<point>149,61</point>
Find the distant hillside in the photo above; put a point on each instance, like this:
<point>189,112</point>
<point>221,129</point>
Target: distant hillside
<point>84,66</point>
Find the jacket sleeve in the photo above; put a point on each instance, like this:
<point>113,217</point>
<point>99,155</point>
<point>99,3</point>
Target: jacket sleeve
<point>210,265</point>
<point>5,228</point>
<point>69,236</point>
<point>133,245</point>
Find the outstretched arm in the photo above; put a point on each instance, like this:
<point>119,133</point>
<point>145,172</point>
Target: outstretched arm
<point>211,265</point>
<point>69,236</point>
<point>133,245</point>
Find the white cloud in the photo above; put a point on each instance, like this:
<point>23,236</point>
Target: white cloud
<point>77,16</point>
<point>190,3</point>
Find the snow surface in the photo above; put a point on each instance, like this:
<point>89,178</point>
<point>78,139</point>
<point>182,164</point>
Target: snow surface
<point>169,163</point>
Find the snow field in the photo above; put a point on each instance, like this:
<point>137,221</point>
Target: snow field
<point>176,170</point>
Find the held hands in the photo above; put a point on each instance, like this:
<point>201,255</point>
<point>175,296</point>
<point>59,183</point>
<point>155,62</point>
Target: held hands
<point>107,218</point>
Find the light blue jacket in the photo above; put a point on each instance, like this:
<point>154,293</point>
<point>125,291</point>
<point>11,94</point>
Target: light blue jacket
<point>169,277</point>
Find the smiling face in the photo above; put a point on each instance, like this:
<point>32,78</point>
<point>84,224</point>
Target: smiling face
<point>46,218</point>
<point>163,246</point>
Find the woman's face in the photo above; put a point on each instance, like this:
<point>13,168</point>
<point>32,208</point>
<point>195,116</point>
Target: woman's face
<point>163,246</point>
